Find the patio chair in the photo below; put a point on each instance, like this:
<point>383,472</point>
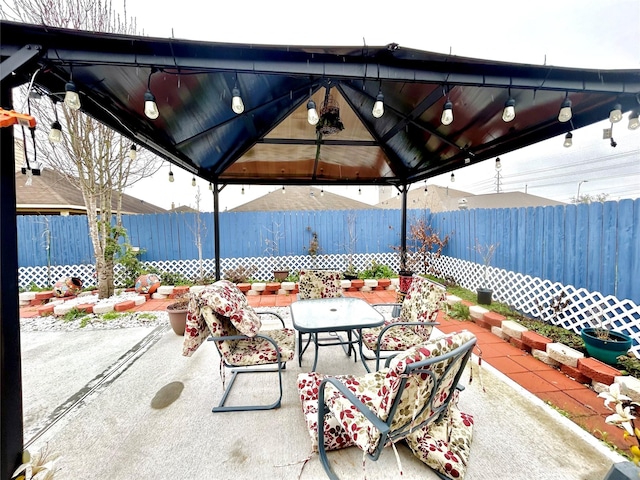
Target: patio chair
<point>413,398</point>
<point>313,284</point>
<point>221,310</point>
<point>411,323</point>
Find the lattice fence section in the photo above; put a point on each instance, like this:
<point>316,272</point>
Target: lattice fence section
<point>562,305</point>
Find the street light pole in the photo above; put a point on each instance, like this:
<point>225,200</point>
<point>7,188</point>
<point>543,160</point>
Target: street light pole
<point>579,184</point>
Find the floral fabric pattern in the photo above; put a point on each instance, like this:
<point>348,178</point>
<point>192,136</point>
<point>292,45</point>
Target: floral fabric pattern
<point>319,284</point>
<point>422,303</point>
<point>378,391</point>
<point>445,446</point>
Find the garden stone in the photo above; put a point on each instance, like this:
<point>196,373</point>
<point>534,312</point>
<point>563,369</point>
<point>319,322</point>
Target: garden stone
<point>476,312</point>
<point>102,308</point>
<point>513,329</point>
<point>63,309</point>
<point>370,283</point>
<point>158,296</point>
<point>139,300</point>
<point>453,299</point>
<point>345,284</point>
<point>563,354</point>
<point>259,286</point>
<point>497,331</point>
<point>288,286</point>
<point>629,386</point>
<point>196,289</point>
<point>27,296</point>
<point>165,289</point>
<point>544,357</point>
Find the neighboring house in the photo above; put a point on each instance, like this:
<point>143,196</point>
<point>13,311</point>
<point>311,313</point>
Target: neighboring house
<point>301,198</point>
<point>52,194</point>
<point>444,199</point>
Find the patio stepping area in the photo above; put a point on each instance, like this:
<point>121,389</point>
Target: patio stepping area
<point>551,384</point>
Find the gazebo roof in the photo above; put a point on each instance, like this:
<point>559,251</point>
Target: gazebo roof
<point>271,142</point>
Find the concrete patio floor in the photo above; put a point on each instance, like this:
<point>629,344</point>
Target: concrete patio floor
<point>133,407</point>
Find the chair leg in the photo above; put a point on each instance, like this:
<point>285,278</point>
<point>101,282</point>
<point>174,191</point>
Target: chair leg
<point>241,408</point>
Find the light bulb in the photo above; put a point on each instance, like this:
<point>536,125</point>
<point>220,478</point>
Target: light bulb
<point>283,191</point>
<point>498,164</point>
<point>193,181</point>
<point>568,139</point>
<point>322,192</point>
<point>236,102</point>
<point>634,122</point>
<point>133,152</point>
<point>447,113</point>
<point>453,178</point>
<point>565,113</point>
<point>150,107</point>
<point>242,191</point>
<point>55,134</point>
<point>312,113</point>
<point>509,112</point>
<point>171,176</point>
<point>71,97</point>
<point>615,115</point>
<point>359,191</point>
<point>211,186</point>
<point>378,107</point>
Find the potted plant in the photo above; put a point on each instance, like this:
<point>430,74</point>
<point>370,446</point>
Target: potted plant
<point>604,344</point>
<point>486,251</point>
<point>178,314</point>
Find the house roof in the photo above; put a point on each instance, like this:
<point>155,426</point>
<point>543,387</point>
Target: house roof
<point>271,142</point>
<point>52,193</point>
<point>443,199</point>
<point>301,198</point>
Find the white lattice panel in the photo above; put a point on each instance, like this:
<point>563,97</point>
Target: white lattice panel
<point>529,295</point>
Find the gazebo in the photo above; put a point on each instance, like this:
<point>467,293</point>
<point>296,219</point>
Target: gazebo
<point>286,115</point>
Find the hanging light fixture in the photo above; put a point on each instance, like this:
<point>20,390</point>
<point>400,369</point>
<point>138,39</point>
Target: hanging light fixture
<point>55,134</point>
<point>359,191</point>
<point>283,190</point>
<point>322,192</point>
<point>242,191</point>
<point>425,188</point>
<point>237,105</point>
<point>378,106</point>
<point>170,175</point>
<point>312,113</point>
<point>133,152</point>
<point>565,113</point>
<point>210,187</point>
<point>509,112</point>
<point>150,106</point>
<point>193,181</point>
<point>498,164</point>
<point>447,113</point>
<point>71,97</point>
<point>568,139</point>
<point>453,178</point>
<point>634,122</point>
<point>615,115</point>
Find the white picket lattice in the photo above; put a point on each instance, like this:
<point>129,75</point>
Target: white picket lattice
<point>531,296</point>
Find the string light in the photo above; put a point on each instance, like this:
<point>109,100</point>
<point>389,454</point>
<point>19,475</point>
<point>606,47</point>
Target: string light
<point>378,106</point>
<point>453,178</point>
<point>193,181</point>
<point>133,152</point>
<point>71,97</point>
<point>568,139</point>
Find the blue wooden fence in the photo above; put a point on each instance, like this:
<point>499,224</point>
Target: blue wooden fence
<point>595,246</point>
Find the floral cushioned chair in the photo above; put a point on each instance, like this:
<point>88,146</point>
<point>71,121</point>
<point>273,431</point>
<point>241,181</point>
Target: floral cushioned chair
<point>410,399</point>
<point>221,310</point>
<point>314,284</point>
<point>413,326</point>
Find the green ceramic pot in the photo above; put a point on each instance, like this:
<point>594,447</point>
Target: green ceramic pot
<point>608,350</point>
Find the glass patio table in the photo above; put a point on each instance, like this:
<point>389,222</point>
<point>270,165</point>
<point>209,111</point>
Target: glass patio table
<point>338,314</point>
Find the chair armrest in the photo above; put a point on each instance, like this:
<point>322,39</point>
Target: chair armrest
<point>273,314</point>
<point>245,337</point>
<point>355,401</point>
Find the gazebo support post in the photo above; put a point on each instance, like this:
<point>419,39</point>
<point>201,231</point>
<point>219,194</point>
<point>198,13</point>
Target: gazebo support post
<point>216,227</point>
<point>11,421</point>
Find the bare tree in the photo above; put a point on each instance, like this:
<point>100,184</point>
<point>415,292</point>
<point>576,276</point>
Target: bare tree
<point>92,156</point>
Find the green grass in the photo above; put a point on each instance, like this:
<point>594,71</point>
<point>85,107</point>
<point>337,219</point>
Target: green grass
<point>73,314</point>
<point>111,316</point>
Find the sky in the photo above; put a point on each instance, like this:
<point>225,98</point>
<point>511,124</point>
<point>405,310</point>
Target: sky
<point>568,33</point>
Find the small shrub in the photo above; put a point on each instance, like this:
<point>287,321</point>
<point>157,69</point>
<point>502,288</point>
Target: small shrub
<point>554,333</point>
<point>73,314</point>
<point>111,315</point>
<point>459,311</point>
<point>174,278</point>
<point>629,364</point>
<point>240,274</point>
<point>377,271</point>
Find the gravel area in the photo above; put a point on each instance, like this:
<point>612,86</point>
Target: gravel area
<point>110,321</point>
